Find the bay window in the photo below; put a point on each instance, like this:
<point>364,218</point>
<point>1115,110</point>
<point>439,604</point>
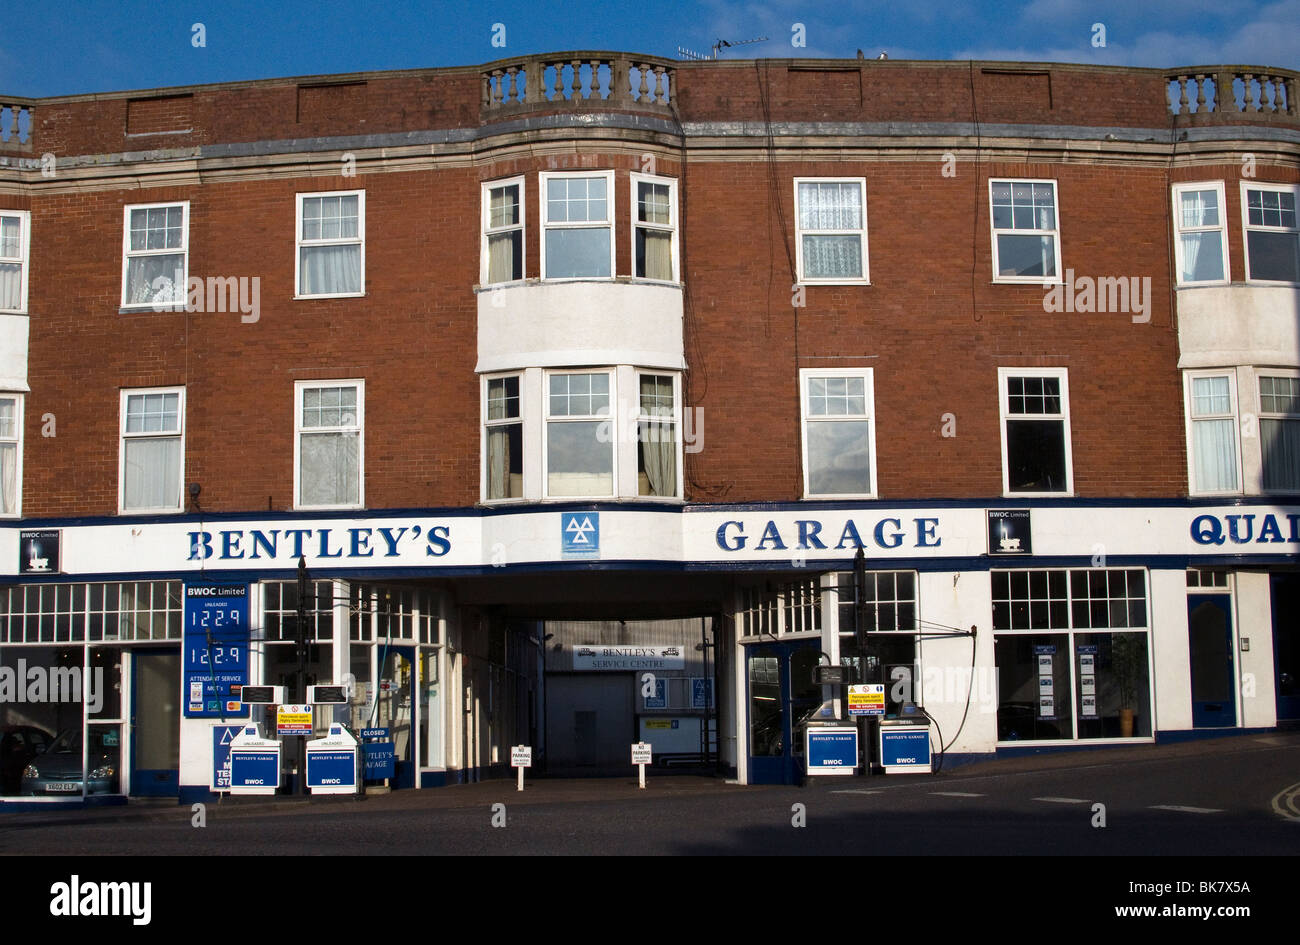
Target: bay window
<point>1214,464</point>
<point>1200,244</point>
<point>504,434</point>
<point>1279,432</point>
<point>11,453</point>
<point>1272,234</point>
<point>577,223</point>
<point>579,435</point>
<point>654,229</point>
<point>503,231</point>
<point>15,244</point>
<point>599,433</point>
<point>657,451</point>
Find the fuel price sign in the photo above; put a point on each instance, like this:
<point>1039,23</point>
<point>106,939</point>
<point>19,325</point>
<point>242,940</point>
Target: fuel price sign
<point>215,650</point>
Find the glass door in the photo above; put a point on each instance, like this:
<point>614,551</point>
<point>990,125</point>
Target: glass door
<point>782,697</point>
<point>395,695</point>
<point>155,722</point>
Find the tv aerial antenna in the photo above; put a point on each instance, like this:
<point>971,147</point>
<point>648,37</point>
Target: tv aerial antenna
<point>719,45</point>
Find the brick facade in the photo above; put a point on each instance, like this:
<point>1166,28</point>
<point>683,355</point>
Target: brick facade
<point>932,325</point>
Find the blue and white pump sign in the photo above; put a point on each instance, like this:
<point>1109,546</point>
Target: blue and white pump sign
<point>831,749</point>
<point>215,650</point>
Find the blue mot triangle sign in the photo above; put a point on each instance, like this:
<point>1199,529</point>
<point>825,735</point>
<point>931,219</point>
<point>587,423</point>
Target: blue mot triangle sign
<point>580,534</point>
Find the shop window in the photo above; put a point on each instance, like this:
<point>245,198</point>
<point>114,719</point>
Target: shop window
<point>503,435</point>
<point>280,610</point>
<point>1212,451</point>
<point>889,604</point>
<point>503,231</point>
<point>331,258</point>
<point>41,731</point>
<point>889,614</point>
<point>155,255</point>
<point>1035,431</point>
<point>1200,242</point>
<point>152,450</point>
<point>831,238</point>
<point>1272,232</point>
<point>1279,432</point>
<point>1071,653</point>
<point>1026,232</point>
<point>654,230</point>
<point>838,433</point>
<point>579,440</point>
<point>328,444</point>
<point>768,610</point>
<point>577,223</point>
<point>11,454</point>
<point>15,243</point>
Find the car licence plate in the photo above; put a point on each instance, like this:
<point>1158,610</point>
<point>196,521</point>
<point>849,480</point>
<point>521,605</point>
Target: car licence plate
<point>64,786</point>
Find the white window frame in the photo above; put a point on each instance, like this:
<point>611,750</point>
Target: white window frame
<point>23,259</point>
<point>671,227</point>
<point>1180,230</point>
<point>490,231</point>
<point>299,387</point>
<point>128,254</point>
<point>1260,374</point>
<point>17,440</point>
<point>634,431</point>
<point>1055,233</point>
<point>485,425</point>
<point>1247,227</point>
<point>800,233</point>
<point>610,418</point>
<point>300,243</point>
<point>123,436</point>
<point>1193,488</point>
<point>543,184</point>
<point>1005,373</point>
<point>806,375</point>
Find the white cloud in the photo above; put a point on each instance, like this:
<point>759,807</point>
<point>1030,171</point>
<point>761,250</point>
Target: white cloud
<point>1267,38</point>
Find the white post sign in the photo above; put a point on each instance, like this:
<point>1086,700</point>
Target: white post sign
<point>641,756</point>
<point>521,757</point>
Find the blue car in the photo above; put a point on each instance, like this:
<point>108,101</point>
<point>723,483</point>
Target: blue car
<point>58,771</point>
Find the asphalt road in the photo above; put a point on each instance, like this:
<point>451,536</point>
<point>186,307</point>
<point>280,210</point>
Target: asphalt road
<point>1235,796</point>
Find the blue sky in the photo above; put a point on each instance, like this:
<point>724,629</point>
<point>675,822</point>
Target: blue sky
<point>58,48</point>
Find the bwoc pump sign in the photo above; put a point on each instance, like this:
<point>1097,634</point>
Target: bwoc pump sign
<point>216,650</point>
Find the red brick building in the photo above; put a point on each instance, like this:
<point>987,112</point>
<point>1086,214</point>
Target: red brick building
<point>599,337</point>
